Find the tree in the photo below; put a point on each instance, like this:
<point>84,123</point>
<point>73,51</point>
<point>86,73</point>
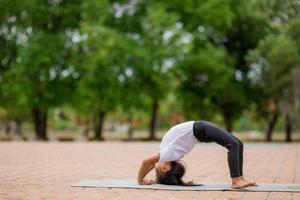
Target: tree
<point>248,28</point>
<point>105,63</point>
<point>282,17</point>
<point>222,30</point>
<point>99,87</point>
<point>42,77</point>
<point>132,99</point>
<point>291,94</point>
<point>271,75</point>
<point>10,15</point>
<point>155,31</point>
<point>153,73</point>
<point>204,82</point>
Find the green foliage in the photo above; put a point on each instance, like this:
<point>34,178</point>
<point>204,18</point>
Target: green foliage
<point>273,73</point>
<point>42,73</point>
<point>213,14</point>
<point>293,31</point>
<point>99,85</point>
<point>152,73</point>
<point>203,76</point>
<point>94,11</point>
<point>214,57</point>
<point>37,75</point>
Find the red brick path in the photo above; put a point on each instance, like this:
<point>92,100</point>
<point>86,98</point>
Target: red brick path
<point>38,170</point>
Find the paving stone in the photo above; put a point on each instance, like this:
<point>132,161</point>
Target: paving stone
<point>40,170</point>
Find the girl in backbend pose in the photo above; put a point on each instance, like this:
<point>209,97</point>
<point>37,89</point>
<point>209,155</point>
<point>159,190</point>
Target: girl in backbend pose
<point>180,140</point>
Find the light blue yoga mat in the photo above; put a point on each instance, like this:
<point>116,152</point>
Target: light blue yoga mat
<point>207,186</point>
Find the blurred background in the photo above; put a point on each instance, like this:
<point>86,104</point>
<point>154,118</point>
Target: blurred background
<point>129,69</point>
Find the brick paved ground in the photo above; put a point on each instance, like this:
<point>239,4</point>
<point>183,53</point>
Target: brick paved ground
<point>38,170</point>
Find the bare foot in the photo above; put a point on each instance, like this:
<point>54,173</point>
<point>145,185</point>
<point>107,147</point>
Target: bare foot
<point>239,183</point>
<point>252,183</point>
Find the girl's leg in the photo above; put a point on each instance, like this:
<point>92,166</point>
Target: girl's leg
<point>241,149</point>
<point>241,153</point>
<point>225,139</point>
<point>235,152</point>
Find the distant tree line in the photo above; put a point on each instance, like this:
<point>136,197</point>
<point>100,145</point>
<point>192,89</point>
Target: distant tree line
<point>214,57</point>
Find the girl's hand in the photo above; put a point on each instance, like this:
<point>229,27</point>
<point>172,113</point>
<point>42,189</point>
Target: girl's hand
<point>147,182</point>
<point>146,166</point>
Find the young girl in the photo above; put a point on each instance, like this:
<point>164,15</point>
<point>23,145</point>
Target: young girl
<point>180,140</point>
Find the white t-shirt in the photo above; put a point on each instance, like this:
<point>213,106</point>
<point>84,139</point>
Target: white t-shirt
<point>177,142</point>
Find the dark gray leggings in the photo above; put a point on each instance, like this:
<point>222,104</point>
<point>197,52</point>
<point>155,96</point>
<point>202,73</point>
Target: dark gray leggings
<point>208,132</point>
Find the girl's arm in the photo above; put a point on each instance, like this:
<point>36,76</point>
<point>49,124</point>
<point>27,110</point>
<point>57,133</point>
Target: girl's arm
<point>146,166</point>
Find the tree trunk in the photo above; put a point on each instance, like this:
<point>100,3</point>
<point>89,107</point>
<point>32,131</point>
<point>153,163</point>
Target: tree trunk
<point>40,123</point>
<point>18,127</point>
<point>288,128</point>
<point>7,127</point>
<point>85,131</point>
<point>270,126</point>
<point>99,125</point>
<point>153,122</point>
<point>130,128</point>
<point>228,123</point>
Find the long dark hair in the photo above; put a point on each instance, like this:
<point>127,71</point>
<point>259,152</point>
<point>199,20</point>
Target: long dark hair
<point>174,175</point>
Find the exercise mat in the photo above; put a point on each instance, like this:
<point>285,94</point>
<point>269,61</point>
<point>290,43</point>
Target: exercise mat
<point>204,186</point>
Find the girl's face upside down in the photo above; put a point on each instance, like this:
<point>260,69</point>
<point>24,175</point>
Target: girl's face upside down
<point>162,167</point>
